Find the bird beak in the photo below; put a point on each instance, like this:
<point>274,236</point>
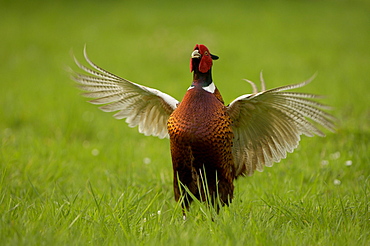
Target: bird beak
<point>195,54</point>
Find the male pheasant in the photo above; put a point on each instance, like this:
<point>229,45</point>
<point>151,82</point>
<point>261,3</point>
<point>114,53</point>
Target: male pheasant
<point>211,144</point>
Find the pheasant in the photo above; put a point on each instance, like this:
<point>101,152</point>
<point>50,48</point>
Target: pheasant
<point>211,144</point>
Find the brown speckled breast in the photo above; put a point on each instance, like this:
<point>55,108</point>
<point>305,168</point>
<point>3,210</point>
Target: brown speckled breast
<point>201,139</point>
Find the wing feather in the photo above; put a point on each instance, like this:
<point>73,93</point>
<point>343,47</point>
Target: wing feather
<point>145,107</point>
<point>267,125</point>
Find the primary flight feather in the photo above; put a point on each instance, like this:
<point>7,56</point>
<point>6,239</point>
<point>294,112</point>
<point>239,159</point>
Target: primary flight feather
<point>211,144</point>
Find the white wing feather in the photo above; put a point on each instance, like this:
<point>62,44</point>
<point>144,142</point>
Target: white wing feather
<point>141,106</point>
<point>268,124</point>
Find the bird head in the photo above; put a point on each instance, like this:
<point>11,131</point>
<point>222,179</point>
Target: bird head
<point>201,59</point>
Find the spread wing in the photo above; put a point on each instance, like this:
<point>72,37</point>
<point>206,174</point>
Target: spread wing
<point>268,124</point>
<point>141,106</point>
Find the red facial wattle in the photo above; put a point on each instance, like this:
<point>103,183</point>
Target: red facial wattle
<point>206,58</point>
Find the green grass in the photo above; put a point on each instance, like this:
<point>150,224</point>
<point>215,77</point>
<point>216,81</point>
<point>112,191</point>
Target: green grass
<point>73,175</point>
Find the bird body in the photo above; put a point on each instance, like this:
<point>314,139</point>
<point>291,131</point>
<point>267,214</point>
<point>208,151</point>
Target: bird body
<point>211,144</point>
<point>202,144</point>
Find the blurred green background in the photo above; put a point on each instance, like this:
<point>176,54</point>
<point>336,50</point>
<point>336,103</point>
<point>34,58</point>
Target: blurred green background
<point>53,143</point>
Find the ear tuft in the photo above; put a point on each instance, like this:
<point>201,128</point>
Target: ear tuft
<point>214,57</point>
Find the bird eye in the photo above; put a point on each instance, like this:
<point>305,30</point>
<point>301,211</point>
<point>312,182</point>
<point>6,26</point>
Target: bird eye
<point>206,53</point>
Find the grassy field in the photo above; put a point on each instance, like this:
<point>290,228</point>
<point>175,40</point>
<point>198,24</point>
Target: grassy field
<point>73,175</point>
